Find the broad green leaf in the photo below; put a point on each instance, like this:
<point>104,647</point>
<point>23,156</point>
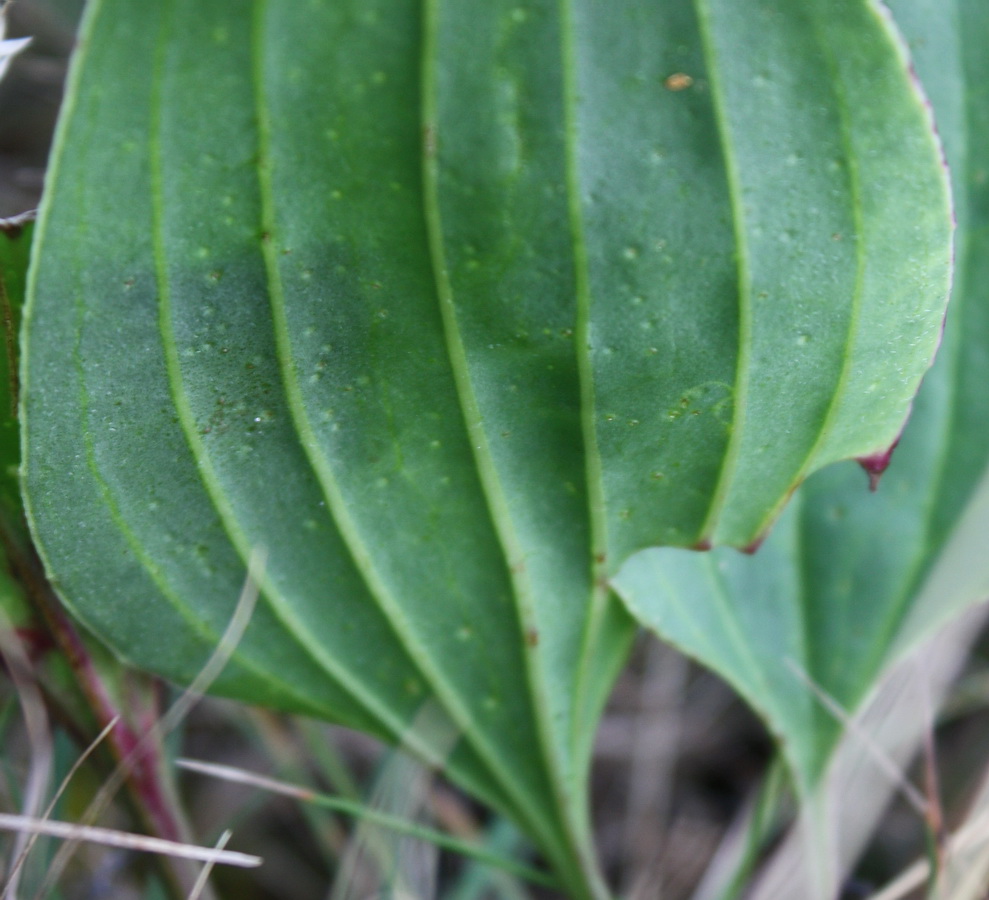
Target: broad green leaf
<point>836,592</point>
<point>451,308</point>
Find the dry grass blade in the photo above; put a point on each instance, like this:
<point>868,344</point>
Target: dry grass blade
<point>200,885</point>
<point>382,819</point>
<point>883,761</point>
<point>252,779</point>
<point>32,838</point>
<point>384,861</point>
<point>965,878</point>
<point>32,706</point>
<point>965,872</point>
<point>856,788</point>
<point>110,837</point>
<point>905,883</point>
<point>176,713</point>
<point>745,839</point>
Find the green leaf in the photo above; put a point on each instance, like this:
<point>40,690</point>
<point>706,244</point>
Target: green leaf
<point>451,308</point>
<point>15,253</point>
<point>836,592</point>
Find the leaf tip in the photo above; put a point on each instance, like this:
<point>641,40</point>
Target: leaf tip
<point>877,463</point>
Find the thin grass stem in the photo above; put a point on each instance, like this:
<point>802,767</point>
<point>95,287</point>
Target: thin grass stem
<point>376,817</point>
<point>124,840</point>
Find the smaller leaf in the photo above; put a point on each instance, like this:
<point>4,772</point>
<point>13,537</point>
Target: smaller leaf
<point>849,581</point>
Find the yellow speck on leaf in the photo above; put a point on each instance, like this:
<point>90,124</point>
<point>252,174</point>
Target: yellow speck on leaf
<point>678,81</point>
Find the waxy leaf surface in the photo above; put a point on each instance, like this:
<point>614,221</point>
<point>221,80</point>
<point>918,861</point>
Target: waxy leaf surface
<point>451,307</point>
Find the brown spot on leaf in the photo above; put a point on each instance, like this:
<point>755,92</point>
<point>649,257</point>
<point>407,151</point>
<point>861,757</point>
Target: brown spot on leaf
<point>678,81</point>
<point>429,140</point>
<point>756,544</point>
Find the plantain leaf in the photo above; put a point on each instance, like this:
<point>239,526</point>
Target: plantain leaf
<point>836,593</point>
<point>452,307</point>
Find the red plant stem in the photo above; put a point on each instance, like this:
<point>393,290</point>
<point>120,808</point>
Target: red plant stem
<point>139,757</point>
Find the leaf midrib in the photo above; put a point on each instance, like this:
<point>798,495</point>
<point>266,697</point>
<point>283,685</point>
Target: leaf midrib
<point>729,464</point>
<point>497,504</point>
<point>599,563</point>
<point>855,203</point>
<point>525,806</point>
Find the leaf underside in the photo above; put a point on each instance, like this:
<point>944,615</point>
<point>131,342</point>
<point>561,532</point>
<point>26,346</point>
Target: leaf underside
<point>452,308</point>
